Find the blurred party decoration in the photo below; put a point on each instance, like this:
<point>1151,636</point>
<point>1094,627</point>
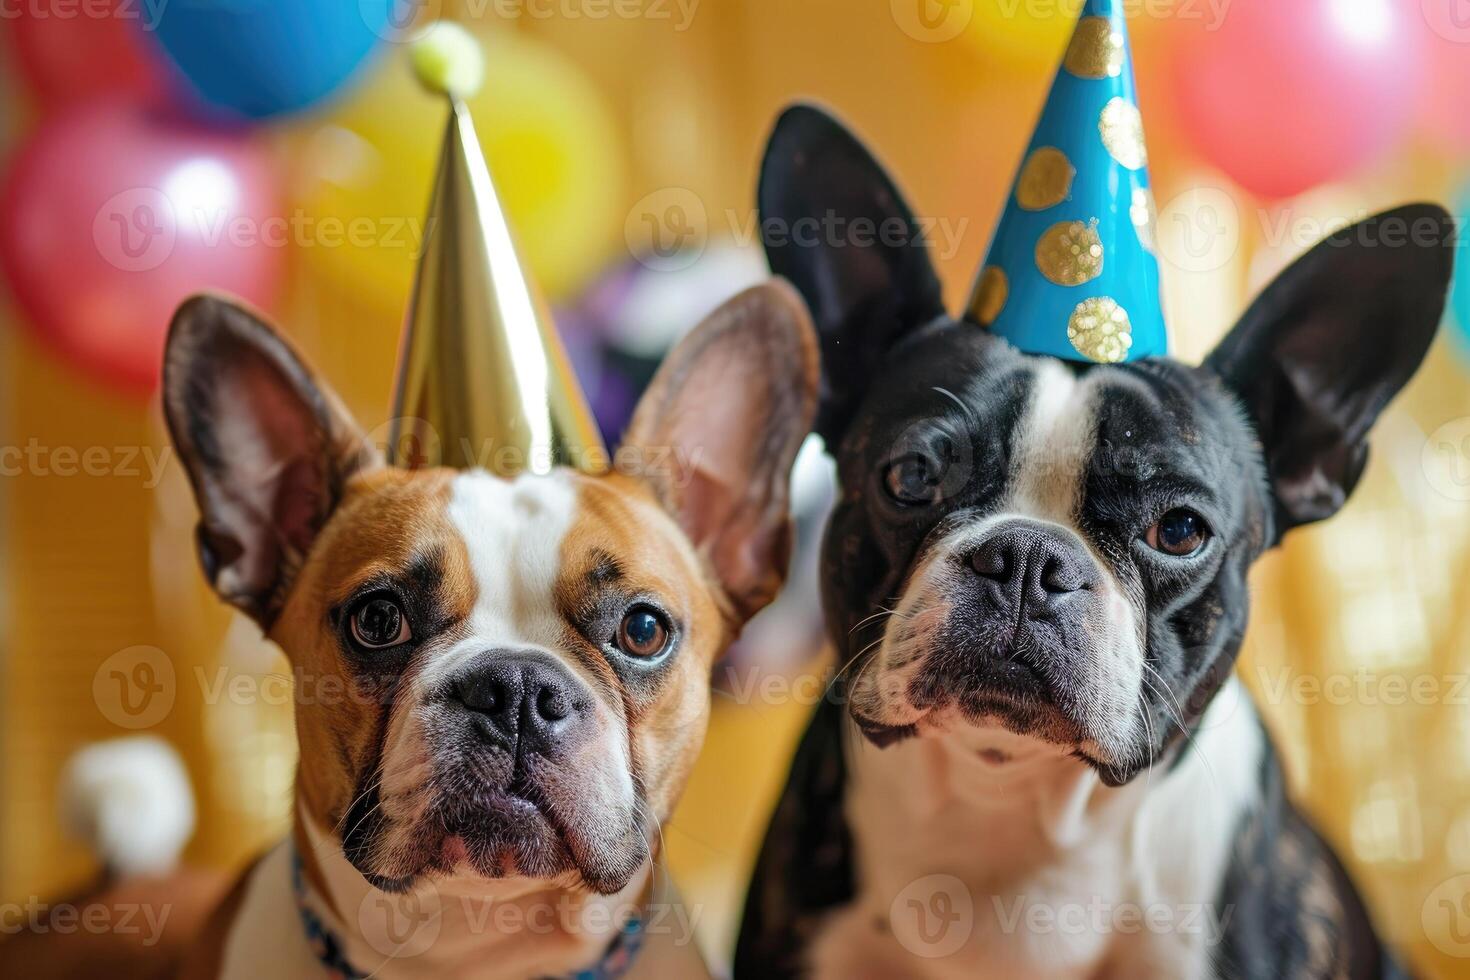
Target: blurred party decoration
<point>111,214</point>
<point>1204,260</point>
<point>1460,287</point>
<point>619,330</point>
<point>1072,272</point>
<point>1442,114</point>
<point>448,61</point>
<point>68,58</point>
<point>612,390</point>
<point>645,310</point>
<point>552,145</point>
<point>483,379</point>
<point>263,58</point>
<point>1285,96</point>
<point>1022,33</point>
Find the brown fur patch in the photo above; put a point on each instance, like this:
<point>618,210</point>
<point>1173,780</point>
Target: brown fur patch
<point>620,517</point>
<point>388,519</point>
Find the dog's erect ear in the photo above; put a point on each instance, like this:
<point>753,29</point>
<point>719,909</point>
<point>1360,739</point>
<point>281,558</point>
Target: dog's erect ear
<point>266,447</point>
<point>834,224</point>
<point>728,410</point>
<point>1329,344</point>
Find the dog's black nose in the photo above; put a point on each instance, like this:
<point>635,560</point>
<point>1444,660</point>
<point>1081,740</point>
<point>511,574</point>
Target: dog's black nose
<point>529,701</point>
<point>1032,567</point>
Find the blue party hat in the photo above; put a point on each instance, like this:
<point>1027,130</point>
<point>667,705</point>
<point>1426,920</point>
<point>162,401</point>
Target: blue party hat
<point>1071,270</point>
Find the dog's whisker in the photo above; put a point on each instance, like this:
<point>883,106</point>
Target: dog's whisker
<point>867,657</point>
<point>1148,729</point>
<point>372,787</point>
<point>1178,720</point>
<point>882,612</point>
<point>857,658</point>
<point>641,806</point>
<point>1178,708</point>
<point>371,811</point>
<point>1170,700</point>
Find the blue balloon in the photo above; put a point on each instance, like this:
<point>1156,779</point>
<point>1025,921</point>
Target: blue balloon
<point>254,59</point>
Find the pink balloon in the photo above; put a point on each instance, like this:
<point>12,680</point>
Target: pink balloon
<point>1443,114</point>
<point>1283,96</point>
<point>112,214</point>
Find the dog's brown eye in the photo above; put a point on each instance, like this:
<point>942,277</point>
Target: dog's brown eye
<point>379,623</point>
<point>642,633</point>
<point>1180,533</point>
<point>914,479</point>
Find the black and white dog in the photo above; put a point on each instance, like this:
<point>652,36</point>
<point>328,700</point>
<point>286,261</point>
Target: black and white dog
<point>1040,764</point>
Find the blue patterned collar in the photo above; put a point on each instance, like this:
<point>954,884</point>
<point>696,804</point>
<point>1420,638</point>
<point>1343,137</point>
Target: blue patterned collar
<point>615,962</point>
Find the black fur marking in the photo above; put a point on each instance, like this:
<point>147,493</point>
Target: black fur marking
<point>806,866</point>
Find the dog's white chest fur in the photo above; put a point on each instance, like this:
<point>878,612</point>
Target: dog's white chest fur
<point>1034,868</point>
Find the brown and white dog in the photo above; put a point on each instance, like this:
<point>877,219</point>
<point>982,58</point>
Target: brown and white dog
<point>524,662</point>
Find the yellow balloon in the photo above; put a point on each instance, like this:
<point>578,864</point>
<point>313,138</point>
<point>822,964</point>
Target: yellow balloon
<point>1023,32</point>
<point>365,173</point>
<point>1034,33</point>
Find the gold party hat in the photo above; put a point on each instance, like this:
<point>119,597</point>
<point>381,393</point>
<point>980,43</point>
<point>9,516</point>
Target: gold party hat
<point>483,379</point>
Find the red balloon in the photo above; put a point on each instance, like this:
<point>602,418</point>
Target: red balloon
<point>111,214</point>
<point>97,47</point>
<point>1284,96</point>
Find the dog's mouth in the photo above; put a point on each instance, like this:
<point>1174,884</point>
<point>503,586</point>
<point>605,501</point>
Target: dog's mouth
<point>979,702</point>
<point>461,824</point>
<point>969,686</point>
<point>997,710</point>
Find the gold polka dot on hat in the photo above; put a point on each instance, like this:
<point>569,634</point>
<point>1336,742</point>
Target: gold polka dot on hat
<point>1121,127</point>
<point>1100,330</point>
<point>1046,179</point>
<point>1070,253</point>
<point>1096,50</point>
<point>990,295</point>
